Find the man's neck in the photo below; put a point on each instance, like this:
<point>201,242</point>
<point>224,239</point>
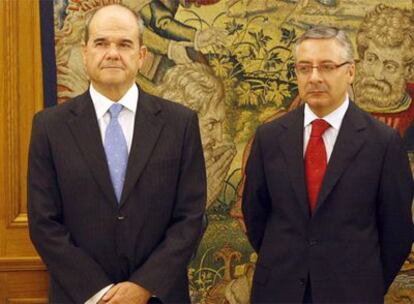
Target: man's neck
<point>324,111</point>
<point>114,93</point>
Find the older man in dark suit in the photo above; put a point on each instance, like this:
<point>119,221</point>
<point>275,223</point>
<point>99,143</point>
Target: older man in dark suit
<point>327,199</point>
<point>116,185</point>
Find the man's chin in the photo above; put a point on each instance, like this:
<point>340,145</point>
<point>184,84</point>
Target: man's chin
<point>113,81</point>
<point>316,103</point>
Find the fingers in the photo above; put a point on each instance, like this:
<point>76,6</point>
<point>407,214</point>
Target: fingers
<point>224,162</point>
<point>221,158</point>
<point>211,36</point>
<point>218,171</point>
<point>111,292</point>
<point>185,43</point>
<point>129,293</point>
<point>178,53</point>
<point>221,36</point>
<point>217,152</point>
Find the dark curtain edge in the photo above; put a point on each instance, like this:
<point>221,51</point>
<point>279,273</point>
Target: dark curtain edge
<point>48,52</point>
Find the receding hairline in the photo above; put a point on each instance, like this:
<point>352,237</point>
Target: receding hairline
<point>121,6</point>
<point>328,33</point>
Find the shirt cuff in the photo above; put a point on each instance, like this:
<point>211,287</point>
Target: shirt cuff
<point>97,296</point>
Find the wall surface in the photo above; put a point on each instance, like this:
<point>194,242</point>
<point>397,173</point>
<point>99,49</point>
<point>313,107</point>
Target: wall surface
<point>255,73</point>
<point>23,278</point>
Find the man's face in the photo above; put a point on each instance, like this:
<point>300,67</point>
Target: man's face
<point>211,126</point>
<point>113,55</point>
<point>323,91</point>
<point>381,76</point>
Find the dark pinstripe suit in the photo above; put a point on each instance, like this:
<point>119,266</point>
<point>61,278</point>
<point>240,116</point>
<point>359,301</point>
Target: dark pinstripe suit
<point>85,238</point>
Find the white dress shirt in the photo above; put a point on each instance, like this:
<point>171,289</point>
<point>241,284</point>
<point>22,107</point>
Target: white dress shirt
<point>335,121</point>
<point>126,119</point>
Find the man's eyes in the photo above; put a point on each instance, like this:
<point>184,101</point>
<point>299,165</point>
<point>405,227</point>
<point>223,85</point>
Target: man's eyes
<point>391,67</point>
<point>99,43</point>
<point>371,58</point>
<point>322,67</point>
<point>123,45</point>
<point>327,67</point>
<point>303,67</point>
<point>126,45</point>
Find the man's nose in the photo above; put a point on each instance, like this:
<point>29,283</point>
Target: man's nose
<point>219,133</point>
<point>112,52</point>
<point>378,71</point>
<point>315,75</point>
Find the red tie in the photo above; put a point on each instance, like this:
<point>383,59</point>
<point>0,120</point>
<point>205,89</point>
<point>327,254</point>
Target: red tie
<point>315,161</point>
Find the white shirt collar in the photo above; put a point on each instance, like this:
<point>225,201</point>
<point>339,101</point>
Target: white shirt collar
<point>102,103</point>
<point>334,118</point>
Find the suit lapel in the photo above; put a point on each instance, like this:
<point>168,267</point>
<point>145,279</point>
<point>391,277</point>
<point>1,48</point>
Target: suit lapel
<point>85,129</point>
<point>347,145</point>
<point>291,143</point>
<point>147,129</point>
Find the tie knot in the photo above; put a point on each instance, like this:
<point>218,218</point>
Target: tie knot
<point>115,109</point>
<point>319,126</point>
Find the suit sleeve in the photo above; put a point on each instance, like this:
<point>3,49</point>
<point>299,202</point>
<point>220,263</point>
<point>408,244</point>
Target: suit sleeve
<point>162,21</point>
<point>256,199</point>
<point>170,258</point>
<point>394,213</point>
<point>76,272</point>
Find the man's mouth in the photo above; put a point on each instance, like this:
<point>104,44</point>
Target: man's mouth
<point>111,67</point>
<point>381,86</point>
<point>316,92</point>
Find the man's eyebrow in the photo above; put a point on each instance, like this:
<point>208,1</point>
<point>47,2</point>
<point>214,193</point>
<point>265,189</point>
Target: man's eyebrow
<point>392,62</point>
<point>122,40</point>
<point>99,39</point>
<point>213,119</point>
<point>127,40</point>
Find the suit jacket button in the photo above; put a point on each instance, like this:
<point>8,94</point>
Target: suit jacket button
<point>313,243</point>
<point>302,282</point>
<point>121,217</point>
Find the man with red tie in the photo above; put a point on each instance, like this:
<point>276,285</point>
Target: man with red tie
<point>327,198</point>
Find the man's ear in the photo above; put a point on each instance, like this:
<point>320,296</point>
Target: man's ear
<point>84,51</point>
<point>409,72</point>
<point>142,54</point>
<point>351,72</point>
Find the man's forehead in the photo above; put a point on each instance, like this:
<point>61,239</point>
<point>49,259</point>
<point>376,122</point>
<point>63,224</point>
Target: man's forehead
<point>216,111</point>
<point>319,50</point>
<point>113,34</point>
<point>385,52</point>
<point>113,18</point>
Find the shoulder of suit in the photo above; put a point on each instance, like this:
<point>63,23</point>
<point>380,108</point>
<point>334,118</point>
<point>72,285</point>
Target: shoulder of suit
<point>281,121</point>
<point>59,111</point>
<point>375,125</point>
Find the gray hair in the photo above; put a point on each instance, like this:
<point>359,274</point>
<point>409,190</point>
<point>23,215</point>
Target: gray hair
<point>137,16</point>
<point>387,27</point>
<point>326,32</point>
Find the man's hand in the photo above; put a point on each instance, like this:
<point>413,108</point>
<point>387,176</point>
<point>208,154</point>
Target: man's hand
<point>126,293</point>
<point>210,37</point>
<point>178,53</point>
<point>217,164</point>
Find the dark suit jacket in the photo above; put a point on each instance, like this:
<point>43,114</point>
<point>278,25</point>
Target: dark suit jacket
<point>85,238</point>
<point>360,233</point>
<point>409,138</point>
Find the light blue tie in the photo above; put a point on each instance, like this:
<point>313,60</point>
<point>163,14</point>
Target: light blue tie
<point>116,150</point>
